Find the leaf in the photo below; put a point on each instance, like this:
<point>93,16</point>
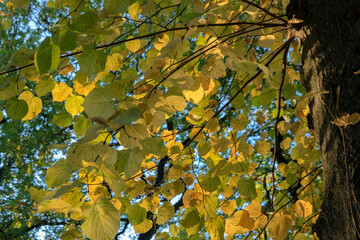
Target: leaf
<point>58,174</point>
<point>133,162</point>
<point>213,68</point>
<point>99,103</point>
<point>133,45</point>
<point>45,85</point>
<point>190,219</point>
<point>92,61</point>
<point>246,189</point>
<point>102,220</point>
<point>262,147</point>
<point>61,92</point>
<point>136,214</point>
<point>81,125</point>
<point>303,208</point>
<point>177,102</point>
<point>16,109</point>
<point>115,7</point>
<point>125,116</point>
<point>47,56</point>
<point>34,105</point>
<point>73,105</point>
<point>63,119</point>
<point>22,57</point>
<point>279,226</point>
<point>20,3</point>
<point>56,205</point>
<point>347,119</point>
<point>165,213</point>
<point>153,145</point>
<point>265,41</point>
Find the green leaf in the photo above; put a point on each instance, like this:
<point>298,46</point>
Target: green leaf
<point>153,145</point>
<point>190,219</point>
<point>45,85</point>
<point>22,57</point>
<point>92,61</point>
<point>20,3</point>
<point>64,38</point>
<point>16,109</point>
<point>126,116</point>
<point>136,214</point>
<point>81,125</point>
<point>56,205</point>
<point>133,162</point>
<point>58,174</point>
<point>99,103</point>
<point>11,87</point>
<point>102,220</point>
<point>115,7</point>
<point>63,119</point>
<point>47,56</point>
<point>246,189</point>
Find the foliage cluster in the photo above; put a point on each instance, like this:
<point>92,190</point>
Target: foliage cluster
<point>187,119</point>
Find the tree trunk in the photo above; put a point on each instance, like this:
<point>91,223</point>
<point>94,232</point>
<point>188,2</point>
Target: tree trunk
<point>330,41</point>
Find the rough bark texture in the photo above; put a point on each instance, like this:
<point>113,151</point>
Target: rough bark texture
<point>330,43</point>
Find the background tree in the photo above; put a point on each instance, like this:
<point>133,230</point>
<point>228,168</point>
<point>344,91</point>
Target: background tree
<point>190,120</point>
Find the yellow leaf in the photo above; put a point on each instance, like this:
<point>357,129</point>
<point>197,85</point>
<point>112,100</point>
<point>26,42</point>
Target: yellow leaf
<point>188,179</point>
<point>133,45</point>
<point>254,209</point>
<point>264,41</point>
<point>303,208</point>
<point>73,105</point>
<point>285,144</point>
<point>34,104</point>
<point>61,92</point>
<point>213,68</point>
<point>260,222</point>
<point>262,147</point>
<point>279,226</point>
<point>232,226</point>
<point>228,207</point>
<point>177,102</point>
<point>144,226</point>
<point>245,221</point>
<point>114,62</point>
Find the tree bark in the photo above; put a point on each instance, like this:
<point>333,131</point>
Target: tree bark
<point>330,40</point>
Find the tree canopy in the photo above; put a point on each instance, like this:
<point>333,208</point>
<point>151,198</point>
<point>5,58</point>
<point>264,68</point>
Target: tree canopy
<point>177,119</point>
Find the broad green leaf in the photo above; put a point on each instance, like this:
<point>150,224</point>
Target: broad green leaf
<point>213,68</point>
<point>1,116</point>
<point>136,131</point>
<point>102,220</point>
<point>246,189</point>
<point>45,85</point>
<point>63,119</point>
<point>153,145</point>
<point>116,7</point>
<point>92,61</point>
<point>64,37</point>
<point>22,57</point>
<point>99,103</point>
<point>47,56</point>
<point>133,162</point>
<point>125,116</point>
<point>20,3</point>
<point>58,174</point>
<point>71,234</point>
<point>81,125</point>
<point>34,104</point>
<point>11,87</point>
<point>16,109</point>
<point>190,219</point>
<point>136,214</point>
<point>73,104</point>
